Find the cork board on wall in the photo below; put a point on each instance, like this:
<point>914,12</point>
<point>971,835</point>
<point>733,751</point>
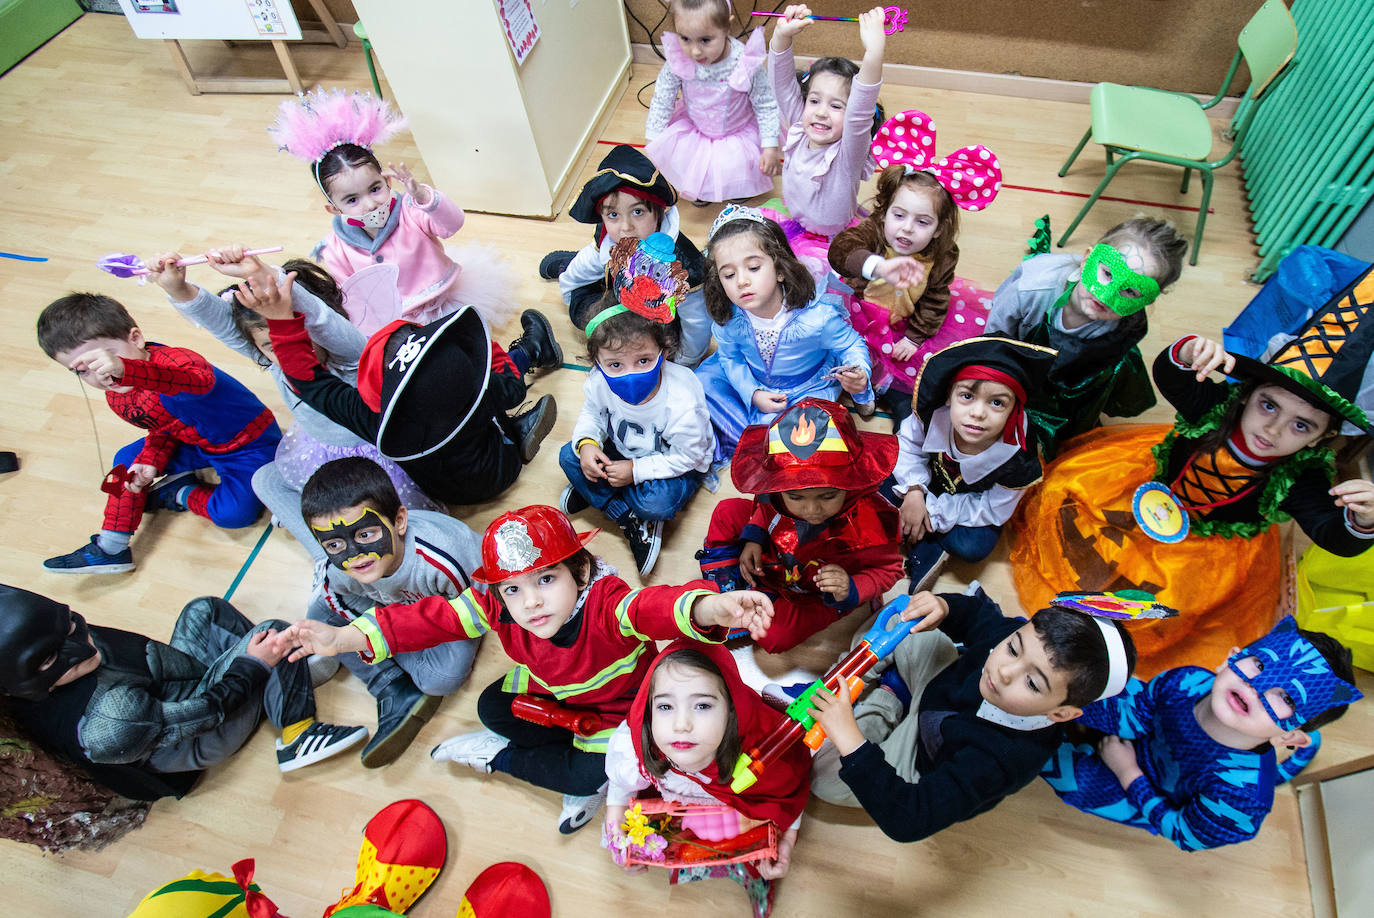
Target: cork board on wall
<point>1184,45</point>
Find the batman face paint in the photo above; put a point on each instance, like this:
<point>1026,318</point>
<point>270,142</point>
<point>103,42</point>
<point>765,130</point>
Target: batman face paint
<point>358,541</point>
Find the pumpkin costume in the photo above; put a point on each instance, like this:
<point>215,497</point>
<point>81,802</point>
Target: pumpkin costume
<point>1078,530</point>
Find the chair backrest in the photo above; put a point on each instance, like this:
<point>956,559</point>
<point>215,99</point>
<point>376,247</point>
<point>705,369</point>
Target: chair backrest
<point>1268,42</point>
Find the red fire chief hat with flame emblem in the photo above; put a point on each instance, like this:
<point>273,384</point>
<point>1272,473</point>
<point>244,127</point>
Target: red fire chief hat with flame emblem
<point>813,444</point>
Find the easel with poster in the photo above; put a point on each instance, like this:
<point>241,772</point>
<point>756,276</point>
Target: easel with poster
<point>175,21</point>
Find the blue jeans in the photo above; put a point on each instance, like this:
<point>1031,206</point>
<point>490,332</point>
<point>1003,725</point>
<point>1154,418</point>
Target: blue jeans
<point>655,499</point>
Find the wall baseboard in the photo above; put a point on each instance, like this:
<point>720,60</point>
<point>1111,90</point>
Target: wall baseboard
<point>998,84</point>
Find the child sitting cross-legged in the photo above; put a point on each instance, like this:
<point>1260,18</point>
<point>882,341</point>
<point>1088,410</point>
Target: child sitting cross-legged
<point>691,720</point>
<point>145,718</point>
<point>981,721</point>
<point>379,552</point>
<point>576,632</point>
<point>1190,755</point>
<point>195,415</point>
<point>643,438</point>
<point>967,451</point>
<point>817,537</point>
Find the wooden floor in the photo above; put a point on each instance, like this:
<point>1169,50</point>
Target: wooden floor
<point>104,150</point>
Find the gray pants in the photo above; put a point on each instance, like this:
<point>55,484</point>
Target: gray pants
<point>216,634</point>
<point>918,658</point>
<point>285,504</point>
<point>437,670</point>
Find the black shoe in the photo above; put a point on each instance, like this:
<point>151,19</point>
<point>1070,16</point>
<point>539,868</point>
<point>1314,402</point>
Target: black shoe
<point>645,538</point>
<point>163,494</point>
<point>571,501</point>
<point>538,342</point>
<point>402,710</point>
<point>555,263</point>
<point>91,559</point>
<point>318,742</point>
<point>533,426</point>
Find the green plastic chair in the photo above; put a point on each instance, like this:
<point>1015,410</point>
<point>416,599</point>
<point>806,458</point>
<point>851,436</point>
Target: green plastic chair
<point>361,32</point>
<point>1136,122</point>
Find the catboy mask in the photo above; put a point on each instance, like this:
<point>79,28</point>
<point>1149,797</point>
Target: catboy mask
<point>33,630</point>
<point>353,552</point>
<point>1288,661</point>
<point>1125,292</point>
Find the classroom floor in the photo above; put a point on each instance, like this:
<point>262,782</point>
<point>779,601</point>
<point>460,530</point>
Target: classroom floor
<point>104,150</point>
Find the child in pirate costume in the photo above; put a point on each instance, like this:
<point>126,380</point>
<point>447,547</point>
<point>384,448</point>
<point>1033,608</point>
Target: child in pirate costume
<point>145,718</point>
<point>576,631</point>
<point>430,397</point>
<point>643,439</point>
<point>1190,755</point>
<point>1090,308</point>
<point>1239,458</point>
<point>967,454</point>
<point>628,198</point>
<point>817,537</point>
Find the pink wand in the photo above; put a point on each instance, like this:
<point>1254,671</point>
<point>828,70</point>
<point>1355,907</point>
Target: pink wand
<point>121,265</point>
<point>894,18</point>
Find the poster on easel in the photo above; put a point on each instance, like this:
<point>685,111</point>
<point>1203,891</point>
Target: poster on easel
<point>522,30</point>
<point>225,20</point>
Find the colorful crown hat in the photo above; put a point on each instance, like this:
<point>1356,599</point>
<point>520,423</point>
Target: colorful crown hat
<point>813,444</point>
<point>403,850</point>
<point>646,278</point>
<point>1326,361</point>
<point>525,540</point>
<point>1290,662</point>
<point>313,123</point>
<point>971,175</point>
<point>506,890</point>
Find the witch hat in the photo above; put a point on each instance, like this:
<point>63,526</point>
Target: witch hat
<point>1326,361</point>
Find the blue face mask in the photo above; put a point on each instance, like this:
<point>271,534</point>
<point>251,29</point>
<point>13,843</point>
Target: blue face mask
<point>634,387</point>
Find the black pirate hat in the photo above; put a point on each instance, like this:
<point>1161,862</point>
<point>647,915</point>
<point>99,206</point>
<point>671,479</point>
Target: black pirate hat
<point>623,169</point>
<point>1027,364</point>
<point>426,381</point>
<point>1326,361</point>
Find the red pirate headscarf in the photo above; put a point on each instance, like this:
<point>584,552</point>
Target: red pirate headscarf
<point>781,792</point>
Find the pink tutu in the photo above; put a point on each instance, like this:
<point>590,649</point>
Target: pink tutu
<point>704,168</point>
<point>967,317</point>
<point>811,249</point>
<point>300,455</point>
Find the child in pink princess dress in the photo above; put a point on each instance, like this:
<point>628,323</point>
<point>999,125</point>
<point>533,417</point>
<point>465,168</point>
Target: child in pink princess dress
<point>335,131</point>
<point>831,112</point>
<point>720,142</point>
<point>900,259</point>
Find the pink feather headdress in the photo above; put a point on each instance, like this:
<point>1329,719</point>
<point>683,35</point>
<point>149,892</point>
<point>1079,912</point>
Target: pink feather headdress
<point>314,123</point>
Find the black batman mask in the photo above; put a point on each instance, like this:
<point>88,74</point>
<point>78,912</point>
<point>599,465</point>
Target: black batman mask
<point>33,630</point>
<point>342,537</point>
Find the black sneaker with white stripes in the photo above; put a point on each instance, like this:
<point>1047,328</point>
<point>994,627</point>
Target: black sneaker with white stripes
<point>316,743</point>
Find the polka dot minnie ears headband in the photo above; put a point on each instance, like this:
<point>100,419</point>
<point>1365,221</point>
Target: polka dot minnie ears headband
<point>313,123</point>
<point>971,175</point>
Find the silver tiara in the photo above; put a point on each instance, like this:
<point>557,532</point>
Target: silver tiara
<point>735,212</point>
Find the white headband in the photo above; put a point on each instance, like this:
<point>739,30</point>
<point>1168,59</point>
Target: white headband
<point>1117,669</point>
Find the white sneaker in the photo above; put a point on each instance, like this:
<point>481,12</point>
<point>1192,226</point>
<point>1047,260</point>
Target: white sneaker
<point>578,811</point>
<point>749,672</point>
<point>322,668</point>
<point>475,750</point>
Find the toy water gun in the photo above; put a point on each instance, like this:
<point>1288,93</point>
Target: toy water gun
<point>877,643</point>
<point>549,713</point>
<point>1124,605</point>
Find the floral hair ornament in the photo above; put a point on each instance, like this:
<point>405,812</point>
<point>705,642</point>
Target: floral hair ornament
<point>314,123</point>
<point>735,212</point>
<point>971,175</point>
<point>646,278</point>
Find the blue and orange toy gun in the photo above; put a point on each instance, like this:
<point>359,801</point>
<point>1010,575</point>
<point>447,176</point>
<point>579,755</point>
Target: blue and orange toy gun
<point>878,642</point>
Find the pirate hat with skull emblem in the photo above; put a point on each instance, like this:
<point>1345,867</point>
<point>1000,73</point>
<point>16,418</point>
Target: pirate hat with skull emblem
<point>426,381</point>
<point>525,540</point>
<point>813,444</point>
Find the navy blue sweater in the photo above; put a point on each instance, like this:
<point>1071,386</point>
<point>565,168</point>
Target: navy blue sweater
<point>967,764</point>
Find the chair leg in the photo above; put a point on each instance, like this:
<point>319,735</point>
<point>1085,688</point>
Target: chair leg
<point>371,68</point>
<point>1101,187</point>
<point>1110,158</point>
<point>1202,213</point>
<point>1187,174</point>
<point>1076,150</point>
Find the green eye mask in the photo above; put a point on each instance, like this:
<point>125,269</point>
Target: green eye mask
<point>1124,292</point>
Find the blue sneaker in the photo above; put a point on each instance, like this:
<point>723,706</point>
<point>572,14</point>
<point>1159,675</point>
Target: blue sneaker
<point>163,495</point>
<point>893,682</point>
<point>91,559</point>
